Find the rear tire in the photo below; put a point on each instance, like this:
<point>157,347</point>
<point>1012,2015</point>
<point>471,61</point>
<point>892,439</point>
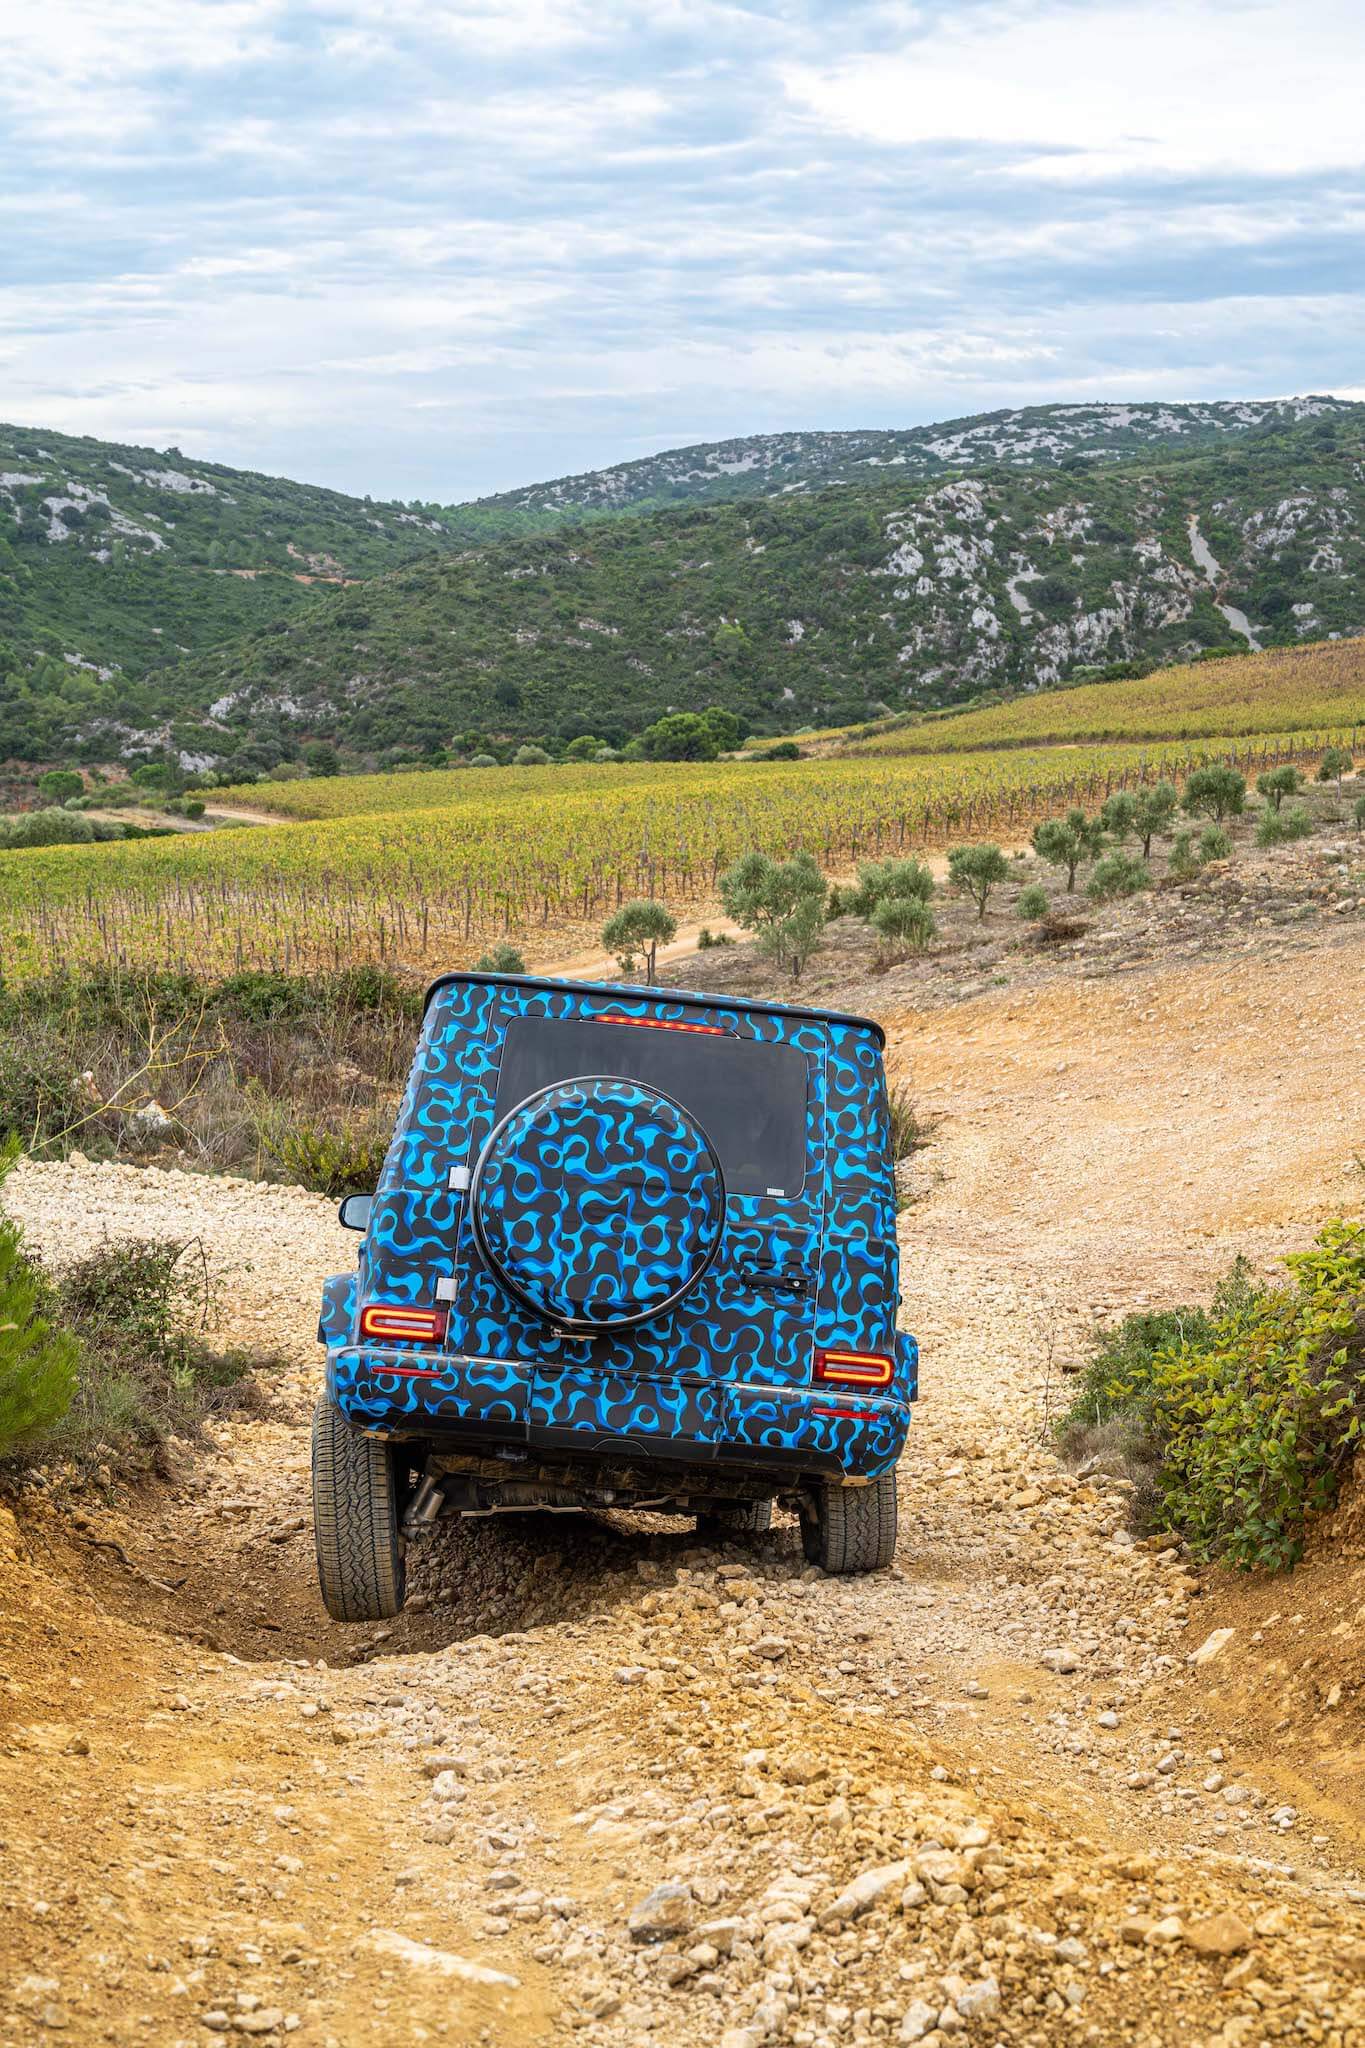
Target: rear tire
<point>852,1528</point>
<point>357,1514</point>
<point>735,1518</point>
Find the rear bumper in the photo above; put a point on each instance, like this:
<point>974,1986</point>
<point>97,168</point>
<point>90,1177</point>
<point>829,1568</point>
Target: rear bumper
<point>575,1412</point>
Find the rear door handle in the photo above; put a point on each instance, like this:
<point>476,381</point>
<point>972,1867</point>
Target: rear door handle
<point>777,1279</point>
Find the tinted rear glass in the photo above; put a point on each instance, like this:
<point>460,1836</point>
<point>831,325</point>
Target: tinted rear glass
<point>749,1098</point>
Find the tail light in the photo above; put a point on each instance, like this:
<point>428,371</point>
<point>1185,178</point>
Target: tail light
<point>667,1024</point>
<point>395,1321</point>
<point>854,1368</point>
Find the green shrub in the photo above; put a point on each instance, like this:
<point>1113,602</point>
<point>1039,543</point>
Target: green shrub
<point>707,940</point>
<point>40,1092</point>
<point>1275,827</point>
<point>1250,1415</point>
<point>38,1361</point>
<point>784,750</point>
<point>904,925</point>
<point>51,827</point>
<point>331,1159</point>
<point>909,1129</point>
<point>483,761</point>
<point>1033,901</point>
<point>1182,861</point>
<point>1214,844</point>
<point>59,785</point>
<point>138,1310</point>
<point>1217,792</point>
<point>504,958</point>
<point>1118,874</point>
<point>975,870</point>
<point>530,757</point>
<point>1359,813</point>
<point>883,881</point>
<point>1335,763</point>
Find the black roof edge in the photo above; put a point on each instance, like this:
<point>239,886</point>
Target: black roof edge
<point>658,995</point>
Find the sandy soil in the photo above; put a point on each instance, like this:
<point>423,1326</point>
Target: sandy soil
<point>223,1814</point>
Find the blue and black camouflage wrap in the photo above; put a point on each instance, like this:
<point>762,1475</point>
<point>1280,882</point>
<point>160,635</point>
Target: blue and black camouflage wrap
<point>723,1370</point>
<point>598,1203</point>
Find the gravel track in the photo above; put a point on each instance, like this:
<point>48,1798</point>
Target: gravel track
<point>985,1795</point>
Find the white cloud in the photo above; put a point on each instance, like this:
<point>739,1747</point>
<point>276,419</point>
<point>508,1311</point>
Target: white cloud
<point>1087,91</point>
<point>443,249</point>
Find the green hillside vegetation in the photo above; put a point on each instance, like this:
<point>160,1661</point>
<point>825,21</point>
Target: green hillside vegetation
<point>802,611</point>
<point>117,561</point>
<point>775,465</point>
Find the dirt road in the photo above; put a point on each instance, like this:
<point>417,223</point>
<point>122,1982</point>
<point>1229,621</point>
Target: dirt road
<point>985,1796</point>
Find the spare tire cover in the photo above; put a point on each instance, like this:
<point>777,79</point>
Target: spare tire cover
<point>598,1203</point>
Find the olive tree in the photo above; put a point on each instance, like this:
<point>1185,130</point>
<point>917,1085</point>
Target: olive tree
<point>888,881</point>
<point>1278,783</point>
<point>1219,792</point>
<point>1153,812</point>
<point>975,870</point>
<point>1118,815</point>
<point>641,926</point>
<point>1066,842</point>
<point>784,902</point>
<point>1335,763</point>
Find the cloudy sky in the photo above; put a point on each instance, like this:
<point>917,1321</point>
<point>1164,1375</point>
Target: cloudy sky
<point>439,247</point>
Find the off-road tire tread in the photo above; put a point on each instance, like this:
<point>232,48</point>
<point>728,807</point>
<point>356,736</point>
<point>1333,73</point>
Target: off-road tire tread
<point>355,1521</point>
<point>852,1528</point>
<point>732,1518</point>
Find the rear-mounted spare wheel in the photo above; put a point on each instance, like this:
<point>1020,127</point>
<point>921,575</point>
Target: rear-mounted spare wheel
<point>597,1203</point>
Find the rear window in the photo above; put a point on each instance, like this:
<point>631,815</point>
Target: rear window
<point>748,1097</point>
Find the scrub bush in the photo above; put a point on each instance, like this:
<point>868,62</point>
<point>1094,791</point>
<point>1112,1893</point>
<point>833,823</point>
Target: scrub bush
<point>1246,1417</point>
<point>1278,826</point>
<point>503,958</point>
<point>38,1360</point>
<point>904,925</point>
<point>1118,874</point>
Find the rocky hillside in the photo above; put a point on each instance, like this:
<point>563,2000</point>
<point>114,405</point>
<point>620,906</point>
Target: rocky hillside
<point>116,560</point>
<point>776,465</point>
<point>811,610</point>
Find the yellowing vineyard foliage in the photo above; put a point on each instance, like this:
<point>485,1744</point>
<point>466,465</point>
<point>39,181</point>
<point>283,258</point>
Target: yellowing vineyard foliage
<point>528,853</point>
<point>421,789</point>
<point>1285,689</point>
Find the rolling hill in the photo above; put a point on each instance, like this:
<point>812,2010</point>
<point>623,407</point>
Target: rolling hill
<point>811,610</point>
<point>116,561</point>
<point>778,465</point>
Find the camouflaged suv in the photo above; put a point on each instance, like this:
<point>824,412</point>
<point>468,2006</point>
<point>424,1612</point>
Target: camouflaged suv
<point>629,1248</point>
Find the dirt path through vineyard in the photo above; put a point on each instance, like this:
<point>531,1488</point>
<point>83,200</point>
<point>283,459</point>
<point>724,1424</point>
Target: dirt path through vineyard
<point>985,1796</point>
